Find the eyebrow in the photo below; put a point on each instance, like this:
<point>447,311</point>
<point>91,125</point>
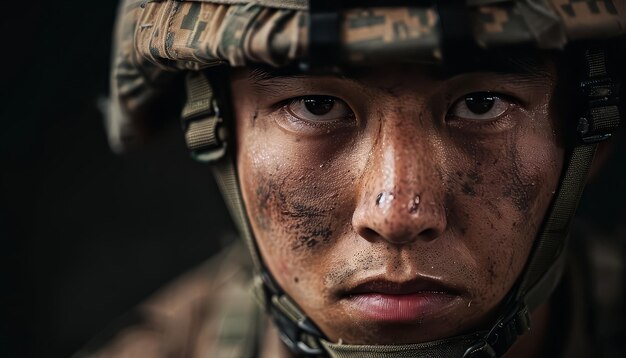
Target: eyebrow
<point>272,81</point>
<point>262,76</point>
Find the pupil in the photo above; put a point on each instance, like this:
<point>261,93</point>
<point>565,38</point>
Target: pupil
<point>480,103</point>
<point>319,105</point>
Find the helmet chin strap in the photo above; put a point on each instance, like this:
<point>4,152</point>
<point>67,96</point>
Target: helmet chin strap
<point>207,137</point>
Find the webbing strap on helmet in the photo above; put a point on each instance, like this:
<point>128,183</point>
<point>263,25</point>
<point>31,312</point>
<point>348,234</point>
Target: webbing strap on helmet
<point>602,117</point>
<point>544,266</point>
<point>206,137</point>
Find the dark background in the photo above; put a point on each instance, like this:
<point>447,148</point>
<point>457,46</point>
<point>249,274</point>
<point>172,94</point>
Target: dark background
<point>85,234</point>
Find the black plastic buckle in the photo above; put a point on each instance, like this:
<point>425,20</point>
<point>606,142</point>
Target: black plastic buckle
<point>480,349</point>
<point>599,92</point>
<point>603,87</point>
<point>583,132</point>
<point>290,332</point>
<point>502,335</point>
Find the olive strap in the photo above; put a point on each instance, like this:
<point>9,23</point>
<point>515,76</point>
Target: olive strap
<point>600,119</point>
<point>207,139</point>
<point>544,267</point>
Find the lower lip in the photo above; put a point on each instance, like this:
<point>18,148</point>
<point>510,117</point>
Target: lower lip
<point>400,308</point>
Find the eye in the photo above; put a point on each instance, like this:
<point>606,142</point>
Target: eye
<point>319,109</point>
<point>479,106</point>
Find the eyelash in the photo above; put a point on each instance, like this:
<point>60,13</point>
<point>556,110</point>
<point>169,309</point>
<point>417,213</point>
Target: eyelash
<point>282,109</point>
<point>495,123</point>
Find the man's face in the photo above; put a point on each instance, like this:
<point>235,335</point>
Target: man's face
<point>398,206</point>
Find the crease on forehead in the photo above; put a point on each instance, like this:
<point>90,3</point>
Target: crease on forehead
<point>525,67</point>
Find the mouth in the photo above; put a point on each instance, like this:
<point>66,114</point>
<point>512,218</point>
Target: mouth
<point>382,300</point>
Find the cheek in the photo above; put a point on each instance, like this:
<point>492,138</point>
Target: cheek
<point>498,193</point>
<point>296,204</point>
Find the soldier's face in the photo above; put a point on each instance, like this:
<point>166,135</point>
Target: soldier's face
<point>398,206</point>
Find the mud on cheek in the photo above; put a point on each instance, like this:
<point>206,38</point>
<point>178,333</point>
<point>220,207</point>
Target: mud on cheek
<point>523,183</point>
<point>294,217</point>
<point>506,177</point>
<point>496,191</point>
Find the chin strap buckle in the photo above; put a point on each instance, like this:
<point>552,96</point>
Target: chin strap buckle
<point>502,335</point>
<point>601,93</point>
<point>295,329</point>
<point>480,349</point>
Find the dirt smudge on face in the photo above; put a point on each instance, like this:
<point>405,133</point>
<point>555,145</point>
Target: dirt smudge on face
<point>467,182</point>
<point>300,210</point>
<point>491,271</point>
<point>363,262</point>
<point>468,189</point>
<point>470,181</point>
<point>506,178</point>
<point>281,210</point>
<point>312,237</point>
<point>263,195</point>
<point>474,176</point>
<point>521,189</point>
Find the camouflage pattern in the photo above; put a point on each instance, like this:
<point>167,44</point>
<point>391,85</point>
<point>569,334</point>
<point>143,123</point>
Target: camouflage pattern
<point>185,34</point>
<point>157,38</point>
<point>207,312</point>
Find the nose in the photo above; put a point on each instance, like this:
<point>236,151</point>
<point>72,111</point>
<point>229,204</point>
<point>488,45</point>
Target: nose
<point>401,195</point>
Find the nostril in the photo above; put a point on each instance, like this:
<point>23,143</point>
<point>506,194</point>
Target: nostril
<point>398,218</point>
<point>369,234</point>
<point>429,234</point>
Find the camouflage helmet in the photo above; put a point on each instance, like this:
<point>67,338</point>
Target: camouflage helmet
<point>157,39</point>
<point>161,42</point>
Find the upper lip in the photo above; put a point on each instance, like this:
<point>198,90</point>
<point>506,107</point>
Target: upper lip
<point>416,285</point>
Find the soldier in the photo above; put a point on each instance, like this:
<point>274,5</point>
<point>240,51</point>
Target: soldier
<point>403,175</point>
